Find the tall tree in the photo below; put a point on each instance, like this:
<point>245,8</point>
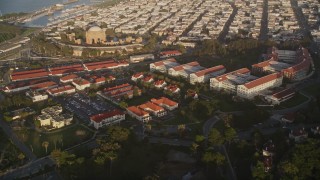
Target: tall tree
<point>215,137</point>
<point>230,134</point>
<point>258,171</point>
<point>118,134</point>
<point>45,144</point>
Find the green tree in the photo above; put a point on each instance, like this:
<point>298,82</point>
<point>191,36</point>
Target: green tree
<point>21,157</point>
<point>303,161</point>
<point>258,171</point>
<point>199,138</point>
<point>215,137</point>
<point>123,104</point>
<point>107,151</point>
<point>230,134</point>
<point>290,170</point>
<point>62,158</point>
<point>118,134</point>
<point>213,157</point>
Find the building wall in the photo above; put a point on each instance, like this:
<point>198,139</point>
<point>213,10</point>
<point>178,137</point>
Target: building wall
<point>244,92</point>
<point>95,37</point>
<point>109,121</point>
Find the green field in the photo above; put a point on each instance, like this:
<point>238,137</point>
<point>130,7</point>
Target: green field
<point>67,137</point>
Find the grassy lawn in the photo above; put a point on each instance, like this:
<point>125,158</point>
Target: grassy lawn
<point>63,139</point>
<point>8,152</point>
<point>296,100</point>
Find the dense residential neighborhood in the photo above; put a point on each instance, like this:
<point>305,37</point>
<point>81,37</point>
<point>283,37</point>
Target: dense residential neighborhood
<point>160,89</point>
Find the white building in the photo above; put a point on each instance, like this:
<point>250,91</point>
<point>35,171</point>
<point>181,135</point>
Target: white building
<point>253,88</point>
<point>139,58</point>
<point>36,96</point>
<point>107,118</point>
<point>228,81</point>
<point>185,70</point>
<point>139,114</point>
<point>61,90</point>
<point>81,84</point>
<point>52,116</point>
<point>137,76</point>
<point>163,66</point>
<point>68,78</point>
<point>205,75</point>
<point>166,103</point>
<point>153,109</point>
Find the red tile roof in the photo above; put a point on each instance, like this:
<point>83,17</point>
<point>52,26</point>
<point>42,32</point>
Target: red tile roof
<point>137,111</point>
<point>60,89</point>
<point>149,105</point>
<point>25,83</point>
<point>240,71</point>
<point>173,52</point>
<point>137,75</point>
<point>69,77</point>
<point>181,67</point>
<point>100,117</point>
<point>30,74</point>
<point>159,82</point>
<point>81,81</point>
<point>300,66</point>
<point>29,71</point>
<point>100,62</point>
<point>209,70</point>
<point>148,78</point>
<point>118,87</point>
<point>172,87</point>
<point>67,69</point>
<point>164,100</point>
<point>102,66</point>
<point>99,79</point>
<point>43,85</point>
<point>284,93</point>
<point>264,63</point>
<point>160,63</point>
<point>262,80</point>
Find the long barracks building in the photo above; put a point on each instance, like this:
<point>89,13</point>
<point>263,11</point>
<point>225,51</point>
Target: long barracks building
<point>294,65</point>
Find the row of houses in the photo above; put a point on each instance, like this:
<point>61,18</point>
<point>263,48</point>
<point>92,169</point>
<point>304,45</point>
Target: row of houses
<point>294,65</point>
<point>154,107</point>
<point>191,71</point>
<point>245,85</point>
<point>247,22</point>
<point>119,92</point>
<point>143,112</point>
<point>64,70</point>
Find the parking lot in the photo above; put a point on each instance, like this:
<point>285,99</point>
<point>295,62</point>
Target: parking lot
<point>83,106</point>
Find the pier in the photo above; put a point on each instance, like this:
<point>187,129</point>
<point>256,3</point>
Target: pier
<point>44,11</point>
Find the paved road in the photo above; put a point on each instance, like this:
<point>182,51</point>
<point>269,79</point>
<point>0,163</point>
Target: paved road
<point>225,30</point>
<point>264,22</point>
<point>30,168</point>
<point>16,140</point>
<point>209,124</point>
<point>230,172</point>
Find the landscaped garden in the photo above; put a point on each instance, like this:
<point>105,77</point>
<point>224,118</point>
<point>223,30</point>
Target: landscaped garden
<point>42,144</point>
